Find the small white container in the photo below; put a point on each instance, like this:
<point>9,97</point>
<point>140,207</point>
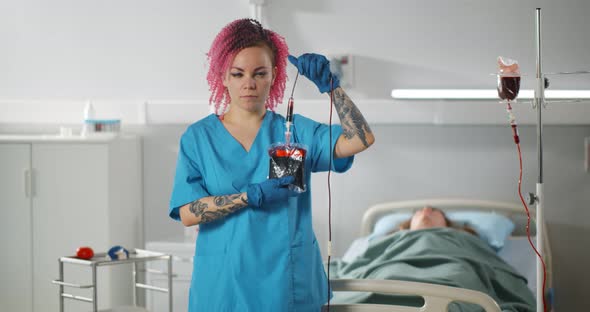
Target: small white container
<point>93,126</point>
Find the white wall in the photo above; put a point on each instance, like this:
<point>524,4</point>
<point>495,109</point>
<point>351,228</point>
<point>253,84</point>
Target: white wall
<point>155,49</point>
<point>55,55</point>
<point>108,49</point>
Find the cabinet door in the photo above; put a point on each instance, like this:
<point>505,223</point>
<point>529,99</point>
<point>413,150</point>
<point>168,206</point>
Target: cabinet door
<point>70,209</point>
<point>15,228</point>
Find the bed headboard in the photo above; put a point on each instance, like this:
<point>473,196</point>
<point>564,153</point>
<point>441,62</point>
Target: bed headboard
<point>515,211</point>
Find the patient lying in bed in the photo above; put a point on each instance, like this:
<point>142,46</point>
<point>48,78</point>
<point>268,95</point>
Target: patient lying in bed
<point>429,248</point>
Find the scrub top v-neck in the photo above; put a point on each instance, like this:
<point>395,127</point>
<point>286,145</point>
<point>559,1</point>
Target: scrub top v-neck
<point>255,259</point>
<point>231,138</point>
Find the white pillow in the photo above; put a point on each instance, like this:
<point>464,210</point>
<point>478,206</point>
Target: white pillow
<point>492,227</point>
<point>389,223</point>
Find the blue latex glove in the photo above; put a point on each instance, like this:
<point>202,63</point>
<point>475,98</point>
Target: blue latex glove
<point>316,68</point>
<point>270,190</point>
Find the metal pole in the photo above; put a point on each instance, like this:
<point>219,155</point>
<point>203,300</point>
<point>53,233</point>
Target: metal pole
<point>134,284</point>
<point>94,289</point>
<point>539,101</point>
<point>61,287</point>
<point>170,297</point>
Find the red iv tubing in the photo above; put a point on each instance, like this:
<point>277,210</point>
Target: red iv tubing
<point>330,192</point>
<point>512,120</point>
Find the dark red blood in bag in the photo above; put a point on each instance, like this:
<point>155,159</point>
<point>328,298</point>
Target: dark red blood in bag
<point>288,161</point>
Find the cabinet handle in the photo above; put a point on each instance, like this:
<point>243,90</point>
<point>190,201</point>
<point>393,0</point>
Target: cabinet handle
<point>33,182</point>
<point>27,183</point>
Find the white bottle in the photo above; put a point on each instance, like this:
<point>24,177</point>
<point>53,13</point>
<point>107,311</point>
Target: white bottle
<point>88,117</point>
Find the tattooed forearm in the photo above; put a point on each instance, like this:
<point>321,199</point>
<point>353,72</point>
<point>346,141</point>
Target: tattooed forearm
<point>208,209</point>
<point>352,121</point>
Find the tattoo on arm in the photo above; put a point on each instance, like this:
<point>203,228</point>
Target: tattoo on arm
<point>221,207</point>
<point>352,121</point>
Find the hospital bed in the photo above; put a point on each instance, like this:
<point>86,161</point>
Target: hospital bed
<point>516,252</point>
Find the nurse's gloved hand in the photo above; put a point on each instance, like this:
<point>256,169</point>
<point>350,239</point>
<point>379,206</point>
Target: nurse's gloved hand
<point>316,68</point>
<point>269,191</point>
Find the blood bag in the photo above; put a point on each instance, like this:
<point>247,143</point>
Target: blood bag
<point>288,160</point>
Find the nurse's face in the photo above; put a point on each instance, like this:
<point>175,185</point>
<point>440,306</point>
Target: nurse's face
<point>428,217</point>
<point>249,78</point>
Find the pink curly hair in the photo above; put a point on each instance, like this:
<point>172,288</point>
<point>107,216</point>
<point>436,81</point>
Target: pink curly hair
<point>237,35</point>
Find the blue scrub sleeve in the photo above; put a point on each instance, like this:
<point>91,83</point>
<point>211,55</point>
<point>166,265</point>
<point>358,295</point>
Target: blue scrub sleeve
<point>318,135</point>
<point>188,181</point>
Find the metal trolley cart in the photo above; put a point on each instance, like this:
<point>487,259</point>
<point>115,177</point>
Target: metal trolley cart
<point>100,259</point>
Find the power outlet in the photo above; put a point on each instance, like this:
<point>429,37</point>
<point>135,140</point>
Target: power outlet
<point>342,65</point>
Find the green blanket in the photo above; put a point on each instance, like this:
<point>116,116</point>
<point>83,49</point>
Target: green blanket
<point>440,256</point>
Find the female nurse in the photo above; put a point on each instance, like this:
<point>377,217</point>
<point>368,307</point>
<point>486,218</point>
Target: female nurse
<point>256,249</point>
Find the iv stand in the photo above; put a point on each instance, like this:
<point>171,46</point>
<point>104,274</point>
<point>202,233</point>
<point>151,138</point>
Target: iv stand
<point>538,199</point>
<point>538,103</point>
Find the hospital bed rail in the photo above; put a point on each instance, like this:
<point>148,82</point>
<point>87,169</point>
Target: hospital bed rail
<point>436,297</point>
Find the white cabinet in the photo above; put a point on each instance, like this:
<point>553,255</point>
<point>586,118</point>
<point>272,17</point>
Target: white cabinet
<point>55,196</point>
<point>182,267</point>
<point>15,229</point>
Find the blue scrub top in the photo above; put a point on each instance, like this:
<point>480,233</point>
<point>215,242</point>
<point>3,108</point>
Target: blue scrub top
<point>255,259</point>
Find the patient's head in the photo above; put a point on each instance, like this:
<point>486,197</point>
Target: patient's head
<point>430,217</point>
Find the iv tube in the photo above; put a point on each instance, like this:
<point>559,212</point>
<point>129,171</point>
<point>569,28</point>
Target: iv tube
<point>289,121</point>
<point>512,121</point>
<point>289,118</point>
